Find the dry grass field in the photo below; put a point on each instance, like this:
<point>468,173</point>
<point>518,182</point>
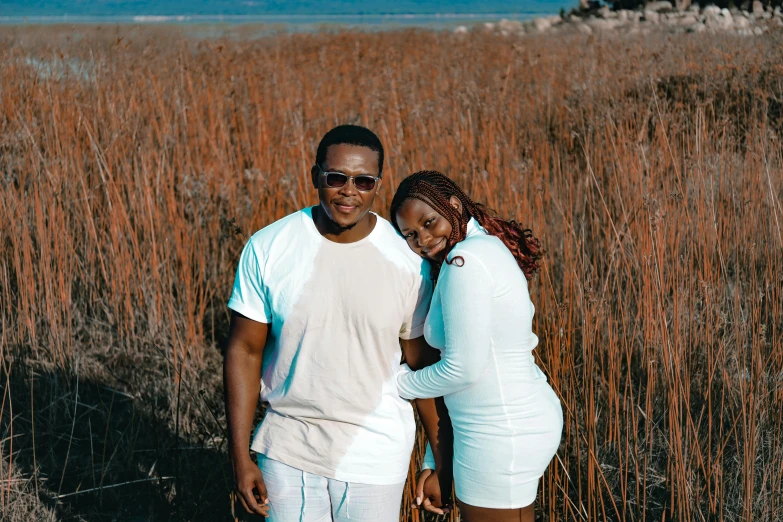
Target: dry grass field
<point>134,163</point>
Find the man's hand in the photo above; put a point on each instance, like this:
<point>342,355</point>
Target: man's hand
<point>250,487</point>
<point>428,493</point>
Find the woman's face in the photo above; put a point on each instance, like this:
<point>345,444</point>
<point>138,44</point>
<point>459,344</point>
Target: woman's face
<point>425,229</point>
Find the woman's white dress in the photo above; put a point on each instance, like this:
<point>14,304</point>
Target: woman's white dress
<point>507,419</point>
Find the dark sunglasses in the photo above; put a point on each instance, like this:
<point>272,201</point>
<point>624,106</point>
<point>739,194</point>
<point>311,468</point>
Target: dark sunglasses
<point>362,182</point>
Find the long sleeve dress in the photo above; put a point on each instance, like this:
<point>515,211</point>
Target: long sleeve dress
<point>507,420</point>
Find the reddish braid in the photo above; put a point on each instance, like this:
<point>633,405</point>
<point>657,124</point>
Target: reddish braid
<point>435,189</point>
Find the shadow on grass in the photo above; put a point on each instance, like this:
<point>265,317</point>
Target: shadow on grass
<point>99,454</point>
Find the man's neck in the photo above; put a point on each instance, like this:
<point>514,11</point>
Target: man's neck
<point>333,232</point>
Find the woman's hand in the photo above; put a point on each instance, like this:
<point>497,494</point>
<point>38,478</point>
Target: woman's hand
<point>428,494</point>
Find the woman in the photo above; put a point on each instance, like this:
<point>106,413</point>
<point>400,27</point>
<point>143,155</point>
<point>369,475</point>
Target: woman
<point>507,420</point>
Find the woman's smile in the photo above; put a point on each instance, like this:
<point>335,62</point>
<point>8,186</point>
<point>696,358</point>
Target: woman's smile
<point>435,249</point>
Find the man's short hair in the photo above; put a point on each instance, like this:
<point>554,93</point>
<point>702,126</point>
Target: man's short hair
<point>350,135</point>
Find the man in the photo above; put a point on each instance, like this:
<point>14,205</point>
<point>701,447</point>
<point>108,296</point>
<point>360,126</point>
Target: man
<point>323,300</point>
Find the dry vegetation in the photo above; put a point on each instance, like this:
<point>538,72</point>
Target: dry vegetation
<point>134,164</point>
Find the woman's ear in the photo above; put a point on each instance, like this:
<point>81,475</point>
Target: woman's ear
<point>456,204</point>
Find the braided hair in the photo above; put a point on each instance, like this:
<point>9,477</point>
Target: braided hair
<point>435,189</point>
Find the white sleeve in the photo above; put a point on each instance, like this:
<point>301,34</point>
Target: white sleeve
<point>466,301</point>
<point>418,305</point>
<point>248,296</point>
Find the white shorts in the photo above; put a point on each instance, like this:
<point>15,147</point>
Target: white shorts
<point>299,496</point>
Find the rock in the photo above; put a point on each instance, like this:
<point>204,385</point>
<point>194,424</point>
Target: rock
<point>697,28</point>
<point>599,24</point>
<point>510,26</point>
<point>726,13</point>
<point>778,13</point>
<point>777,22</point>
<point>622,15</point>
<point>652,16</point>
<point>758,31</point>
<point>604,12</point>
<point>720,22</point>
<point>687,19</point>
<point>740,22</point>
<point>711,10</point>
<point>694,8</point>
<point>682,5</point>
<point>460,29</point>
<point>584,28</point>
<point>658,6</point>
<point>555,20</point>
<point>489,27</point>
<point>541,25</point>
<point>758,8</point>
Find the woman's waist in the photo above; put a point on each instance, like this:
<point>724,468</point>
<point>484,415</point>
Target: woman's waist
<point>514,363</point>
<point>510,378</point>
<point>494,405</point>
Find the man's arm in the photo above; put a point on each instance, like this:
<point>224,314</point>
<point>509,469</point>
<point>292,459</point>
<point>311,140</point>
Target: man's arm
<point>433,414</point>
<point>242,382</point>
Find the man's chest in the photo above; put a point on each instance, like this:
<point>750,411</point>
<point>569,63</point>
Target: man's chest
<point>360,291</point>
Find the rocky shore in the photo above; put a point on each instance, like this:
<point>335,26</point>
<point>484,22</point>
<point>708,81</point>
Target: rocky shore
<point>654,16</point>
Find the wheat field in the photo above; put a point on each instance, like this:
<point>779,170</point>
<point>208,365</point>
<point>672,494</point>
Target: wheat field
<point>135,162</point>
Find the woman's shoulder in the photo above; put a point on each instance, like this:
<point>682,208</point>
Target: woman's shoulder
<point>482,246</point>
<point>490,252</point>
<point>478,252</point>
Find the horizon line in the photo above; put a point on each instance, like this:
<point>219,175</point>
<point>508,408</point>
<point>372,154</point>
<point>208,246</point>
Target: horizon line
<point>185,17</point>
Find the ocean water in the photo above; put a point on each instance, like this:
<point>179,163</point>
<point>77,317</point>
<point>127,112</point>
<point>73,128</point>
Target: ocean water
<point>297,14</point>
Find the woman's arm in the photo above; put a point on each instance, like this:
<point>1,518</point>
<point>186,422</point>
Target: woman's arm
<point>434,417</point>
<point>466,302</point>
<point>432,412</point>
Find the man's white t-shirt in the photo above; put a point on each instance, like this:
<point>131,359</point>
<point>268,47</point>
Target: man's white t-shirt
<point>336,314</point>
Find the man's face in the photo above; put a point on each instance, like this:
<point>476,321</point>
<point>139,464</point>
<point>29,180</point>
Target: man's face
<point>347,205</point>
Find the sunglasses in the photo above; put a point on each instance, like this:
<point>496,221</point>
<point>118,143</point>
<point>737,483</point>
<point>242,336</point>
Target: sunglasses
<point>362,182</point>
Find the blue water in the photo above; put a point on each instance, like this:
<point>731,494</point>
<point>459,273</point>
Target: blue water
<point>406,13</point>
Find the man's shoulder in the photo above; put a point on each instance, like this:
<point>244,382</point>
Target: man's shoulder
<point>264,237</point>
<point>394,246</point>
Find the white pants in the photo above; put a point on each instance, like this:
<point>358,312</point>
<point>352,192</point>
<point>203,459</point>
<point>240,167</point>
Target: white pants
<point>298,496</point>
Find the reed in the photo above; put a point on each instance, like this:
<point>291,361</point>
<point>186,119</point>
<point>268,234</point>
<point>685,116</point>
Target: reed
<point>134,163</point>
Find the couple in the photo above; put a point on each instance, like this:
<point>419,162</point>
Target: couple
<point>325,303</point>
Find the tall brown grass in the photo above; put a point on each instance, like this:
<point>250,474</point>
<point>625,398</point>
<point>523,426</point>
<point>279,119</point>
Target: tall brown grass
<point>135,163</point>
